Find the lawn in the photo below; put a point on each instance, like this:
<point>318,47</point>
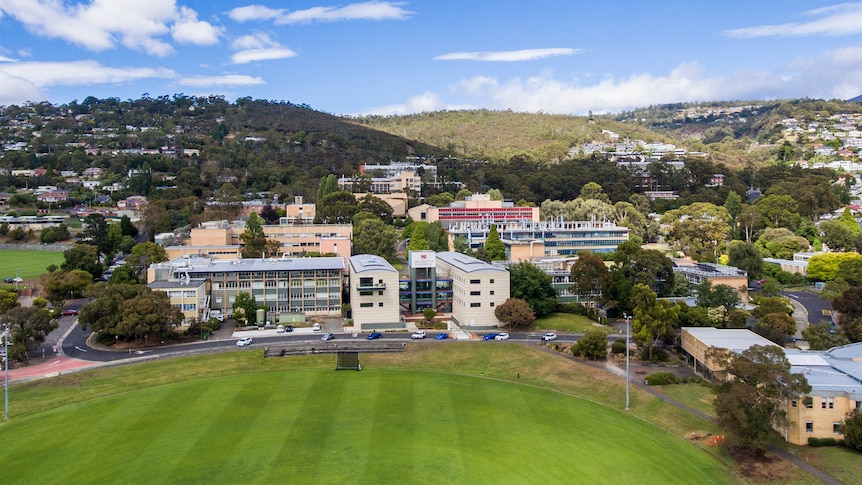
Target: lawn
<point>321,426</point>
<point>453,413</point>
<point>29,264</point>
<point>695,396</point>
<point>568,322</point>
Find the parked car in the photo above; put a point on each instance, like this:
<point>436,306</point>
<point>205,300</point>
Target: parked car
<point>315,327</point>
<point>327,336</point>
<point>243,342</point>
<point>288,328</point>
<point>442,336</point>
<point>68,312</point>
<point>279,329</point>
<point>502,336</point>
<point>374,336</point>
<point>489,336</point>
<point>549,336</point>
<point>418,334</point>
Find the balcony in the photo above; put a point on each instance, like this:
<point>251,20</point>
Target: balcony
<point>370,286</point>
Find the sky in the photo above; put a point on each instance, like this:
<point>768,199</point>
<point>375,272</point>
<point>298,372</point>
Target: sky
<point>400,57</point>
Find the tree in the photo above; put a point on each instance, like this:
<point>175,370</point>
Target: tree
<point>59,285</point>
<point>653,319</point>
<point>779,211</point>
<point>515,312</point>
<point>773,304</point>
<point>589,276</point>
<point>698,229</point>
<point>593,345</point>
<point>717,296</point>
<point>494,246</point>
<point>851,428</point>
<point>850,270</point>
<point>51,235</point>
<point>745,256</point>
<point>84,257</point>
<point>328,185</point>
<point>28,327</point>
<point>125,274</point>
<point>269,214</point>
<point>839,236</point>
<point>751,402</point>
<point>8,300</point>
<point>782,322</point>
<point>824,266</point>
<point>245,308</point>
<point>417,238</point>
<point>821,336</point>
<point>592,190</point>
<point>849,304</point>
<point>372,236</point>
<point>531,284</point>
<point>145,254</point>
<point>130,312</point>
<point>336,208</point>
<point>376,206</point>
<point>95,233</point>
<point>253,238</point>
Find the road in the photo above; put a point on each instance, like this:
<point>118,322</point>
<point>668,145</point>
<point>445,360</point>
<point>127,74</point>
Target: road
<point>818,308</point>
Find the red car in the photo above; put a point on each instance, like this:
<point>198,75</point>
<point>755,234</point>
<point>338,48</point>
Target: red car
<point>69,312</point>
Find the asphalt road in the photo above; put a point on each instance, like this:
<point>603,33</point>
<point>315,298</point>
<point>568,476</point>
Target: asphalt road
<point>818,308</point>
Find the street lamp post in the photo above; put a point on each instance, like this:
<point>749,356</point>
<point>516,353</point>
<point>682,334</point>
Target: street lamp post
<point>6,358</point>
<point>627,359</point>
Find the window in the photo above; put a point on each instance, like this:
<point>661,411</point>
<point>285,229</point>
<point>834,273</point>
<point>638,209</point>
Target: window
<point>809,402</point>
<point>492,292</point>
<point>809,426</point>
<point>475,305</point>
<point>793,403</point>
<point>823,402</point>
<point>475,282</point>
<point>831,402</point>
<point>491,281</point>
<point>836,427</point>
<point>380,304</point>
<point>475,293</point>
<point>366,305</point>
<point>492,303</point>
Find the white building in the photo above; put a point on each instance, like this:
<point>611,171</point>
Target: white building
<point>374,293</point>
<point>477,289</point>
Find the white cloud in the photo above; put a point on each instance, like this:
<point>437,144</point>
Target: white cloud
<point>103,24</point>
<point>841,19</point>
<point>7,59</point>
<point>373,10</point>
<point>426,101</point>
<point>258,47</point>
<point>508,56</point>
<point>254,12</point>
<point>46,74</point>
<point>230,80</point>
<point>17,90</point>
<point>189,30</point>
<point>267,54</point>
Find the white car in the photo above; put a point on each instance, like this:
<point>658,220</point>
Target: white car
<point>549,336</point>
<point>243,342</point>
<point>279,329</point>
<point>315,327</point>
<point>418,334</point>
<point>502,336</point>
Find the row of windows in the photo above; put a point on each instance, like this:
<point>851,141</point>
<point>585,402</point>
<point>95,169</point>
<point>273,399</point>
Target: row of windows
<point>825,403</point>
<point>479,293</point>
<point>809,427</point>
<point>370,304</point>
<point>187,307</point>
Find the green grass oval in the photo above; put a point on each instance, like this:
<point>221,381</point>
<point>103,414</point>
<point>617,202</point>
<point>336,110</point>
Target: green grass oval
<point>374,426</point>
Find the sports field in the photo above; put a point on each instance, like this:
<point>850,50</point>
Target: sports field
<point>447,413</point>
<point>30,264</point>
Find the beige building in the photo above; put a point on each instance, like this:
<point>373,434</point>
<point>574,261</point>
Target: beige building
<point>835,377</point>
<point>215,252</point>
<point>477,208</point>
<point>191,296</point>
<point>293,239</point>
<point>696,341</point>
<point>477,289</point>
<point>396,200</point>
<point>374,293</point>
<point>716,274</point>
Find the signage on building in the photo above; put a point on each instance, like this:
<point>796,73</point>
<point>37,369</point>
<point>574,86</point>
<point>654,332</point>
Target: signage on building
<point>423,259</point>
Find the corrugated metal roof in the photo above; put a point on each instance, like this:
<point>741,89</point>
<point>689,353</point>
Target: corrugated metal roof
<point>369,262</point>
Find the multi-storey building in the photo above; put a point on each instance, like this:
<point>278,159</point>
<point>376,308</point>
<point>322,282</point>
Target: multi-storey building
<point>717,274</point>
<point>526,241</point>
<point>374,293</point>
<point>311,286</point>
<point>479,208</point>
<point>191,296</point>
<point>477,289</point>
<point>293,239</point>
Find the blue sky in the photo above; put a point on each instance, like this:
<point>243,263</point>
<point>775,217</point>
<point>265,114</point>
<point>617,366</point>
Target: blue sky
<point>393,57</point>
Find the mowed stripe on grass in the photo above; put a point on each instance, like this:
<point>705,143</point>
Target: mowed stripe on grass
<point>374,426</point>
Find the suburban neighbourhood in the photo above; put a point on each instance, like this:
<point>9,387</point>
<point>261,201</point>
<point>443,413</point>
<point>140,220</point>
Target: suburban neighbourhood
<point>175,222</point>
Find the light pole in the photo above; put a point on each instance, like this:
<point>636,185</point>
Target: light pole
<point>627,360</point>
<point>6,358</point>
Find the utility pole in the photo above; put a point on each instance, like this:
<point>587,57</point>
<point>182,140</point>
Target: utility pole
<point>628,331</point>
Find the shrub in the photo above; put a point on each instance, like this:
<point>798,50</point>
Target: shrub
<point>619,346</point>
<point>828,442</point>
<point>661,379</point>
<point>575,308</point>
<point>814,442</point>
<point>659,355</point>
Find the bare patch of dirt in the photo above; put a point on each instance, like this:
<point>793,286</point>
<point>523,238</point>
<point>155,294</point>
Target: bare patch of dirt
<point>767,468</point>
